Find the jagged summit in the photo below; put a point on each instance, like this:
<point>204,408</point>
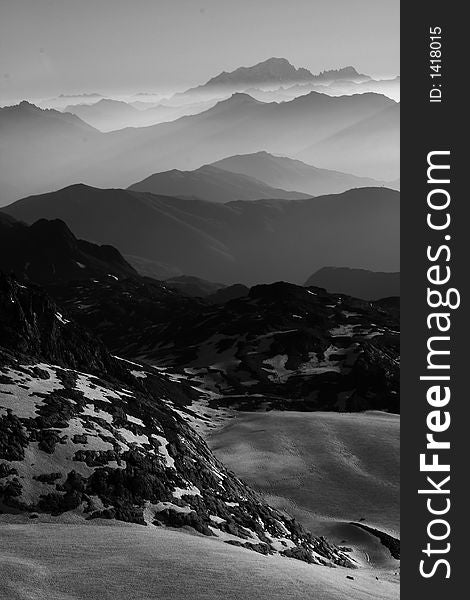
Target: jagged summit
<point>267,71</point>
<point>343,73</point>
<point>274,72</point>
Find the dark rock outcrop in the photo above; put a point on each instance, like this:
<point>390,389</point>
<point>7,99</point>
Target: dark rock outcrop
<point>47,251</point>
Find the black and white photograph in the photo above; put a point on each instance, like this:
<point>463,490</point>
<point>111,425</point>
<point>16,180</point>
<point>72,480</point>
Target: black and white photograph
<point>200,299</point>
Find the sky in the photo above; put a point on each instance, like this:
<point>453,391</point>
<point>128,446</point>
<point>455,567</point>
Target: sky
<point>49,47</point>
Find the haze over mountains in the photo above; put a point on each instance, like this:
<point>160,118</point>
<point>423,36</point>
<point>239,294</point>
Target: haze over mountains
<point>370,146</point>
<point>211,183</point>
<point>58,149</point>
<point>45,144</point>
<point>268,74</point>
<point>290,239</point>
<point>109,115</point>
<point>284,172</point>
<point>357,134</point>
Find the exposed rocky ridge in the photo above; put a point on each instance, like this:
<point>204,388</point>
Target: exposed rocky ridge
<point>277,346</point>
<point>57,149</point>
<point>81,430</point>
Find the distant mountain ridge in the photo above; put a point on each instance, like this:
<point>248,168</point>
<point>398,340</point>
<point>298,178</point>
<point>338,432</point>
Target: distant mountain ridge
<point>236,242</point>
<point>104,113</point>
<point>12,117</point>
<point>287,173</point>
<point>360,283</point>
<point>211,183</point>
<point>355,134</point>
<point>269,73</point>
<point>111,115</point>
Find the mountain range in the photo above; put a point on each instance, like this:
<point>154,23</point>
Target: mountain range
<point>218,242</point>
<point>355,134</point>
<point>268,74</point>
<point>311,349</point>
<point>387,87</point>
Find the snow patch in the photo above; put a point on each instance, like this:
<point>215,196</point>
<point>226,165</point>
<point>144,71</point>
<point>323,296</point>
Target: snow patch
<point>169,461</point>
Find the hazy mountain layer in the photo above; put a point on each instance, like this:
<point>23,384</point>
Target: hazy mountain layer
<point>237,242</point>
<point>369,285</point>
<point>284,172</point>
<point>268,74</point>
<point>109,115</point>
<point>356,134</point>
<point>211,183</point>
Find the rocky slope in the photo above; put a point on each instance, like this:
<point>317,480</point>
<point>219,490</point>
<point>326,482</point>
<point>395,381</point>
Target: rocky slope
<point>83,431</point>
<point>268,74</point>
<point>278,346</point>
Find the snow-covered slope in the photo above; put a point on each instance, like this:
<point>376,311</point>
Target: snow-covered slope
<point>83,431</point>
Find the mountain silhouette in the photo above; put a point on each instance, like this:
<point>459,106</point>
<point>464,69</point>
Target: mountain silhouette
<point>236,242</point>
<point>360,283</point>
<point>57,149</point>
<point>106,114</point>
<point>109,115</point>
<point>284,172</point>
<point>211,183</point>
<point>269,74</point>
